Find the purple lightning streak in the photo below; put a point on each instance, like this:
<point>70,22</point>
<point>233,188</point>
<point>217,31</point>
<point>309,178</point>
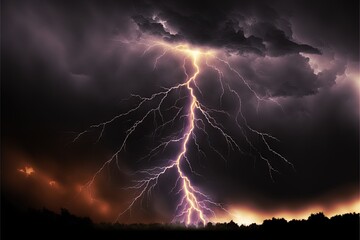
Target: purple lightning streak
<point>194,206</point>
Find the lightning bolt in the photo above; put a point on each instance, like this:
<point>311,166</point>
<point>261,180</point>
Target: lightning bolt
<point>194,206</point>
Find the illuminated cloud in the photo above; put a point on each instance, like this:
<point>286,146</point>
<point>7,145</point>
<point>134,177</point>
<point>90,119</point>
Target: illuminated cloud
<point>27,170</point>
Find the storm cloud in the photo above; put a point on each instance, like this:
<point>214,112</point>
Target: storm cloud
<point>225,28</point>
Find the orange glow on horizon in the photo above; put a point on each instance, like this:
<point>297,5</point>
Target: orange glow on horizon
<point>81,201</point>
<point>100,206</point>
<point>247,215</point>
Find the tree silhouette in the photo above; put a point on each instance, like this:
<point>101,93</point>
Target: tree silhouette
<point>45,224</point>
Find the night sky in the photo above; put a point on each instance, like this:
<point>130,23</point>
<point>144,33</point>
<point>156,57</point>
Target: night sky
<point>66,67</point>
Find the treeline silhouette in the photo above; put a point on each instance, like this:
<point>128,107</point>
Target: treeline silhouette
<point>45,224</point>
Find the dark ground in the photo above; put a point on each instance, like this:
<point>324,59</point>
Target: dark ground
<point>45,224</point>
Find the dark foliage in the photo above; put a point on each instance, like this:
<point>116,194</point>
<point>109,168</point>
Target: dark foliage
<point>45,224</point>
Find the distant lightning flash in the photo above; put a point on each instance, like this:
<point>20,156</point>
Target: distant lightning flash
<point>194,206</point>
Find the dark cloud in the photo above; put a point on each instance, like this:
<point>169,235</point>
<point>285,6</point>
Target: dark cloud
<point>277,43</point>
<point>289,75</point>
<point>154,28</point>
<point>327,77</point>
<point>334,27</point>
<point>286,76</point>
<point>224,30</point>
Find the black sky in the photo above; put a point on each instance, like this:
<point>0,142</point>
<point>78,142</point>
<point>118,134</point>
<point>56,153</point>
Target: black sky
<point>64,69</point>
